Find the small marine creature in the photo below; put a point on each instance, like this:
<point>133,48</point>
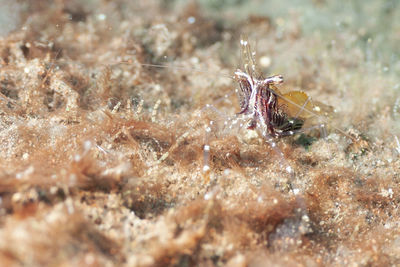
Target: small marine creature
<point>275,113</point>
<point>266,109</point>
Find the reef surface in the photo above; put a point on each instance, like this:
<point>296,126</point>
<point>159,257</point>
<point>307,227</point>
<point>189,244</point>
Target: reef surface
<point>102,154</point>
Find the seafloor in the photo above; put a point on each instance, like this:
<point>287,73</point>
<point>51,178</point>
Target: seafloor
<point>101,156</point>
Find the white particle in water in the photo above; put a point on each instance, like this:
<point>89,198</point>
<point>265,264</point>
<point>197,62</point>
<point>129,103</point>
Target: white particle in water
<point>191,20</point>
<point>101,16</point>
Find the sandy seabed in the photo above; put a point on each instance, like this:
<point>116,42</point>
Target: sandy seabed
<point>101,156</point>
